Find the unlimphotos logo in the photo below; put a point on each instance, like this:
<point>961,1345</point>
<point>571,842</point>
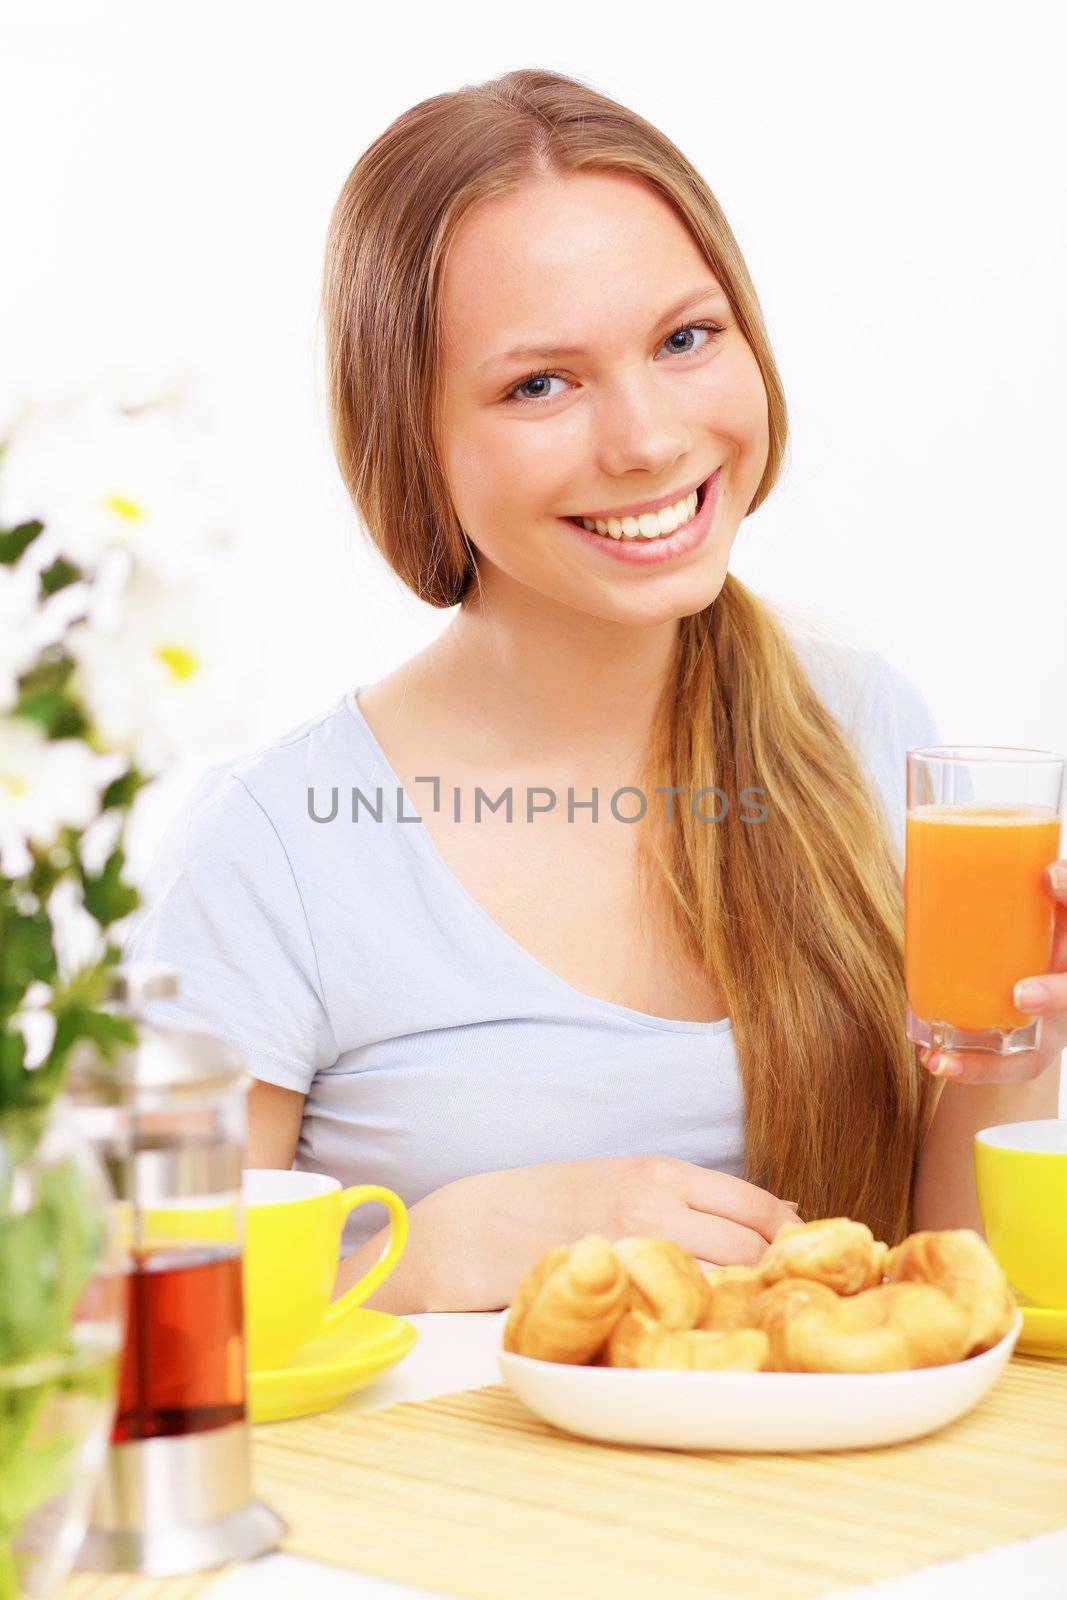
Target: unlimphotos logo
<point>539,801</point>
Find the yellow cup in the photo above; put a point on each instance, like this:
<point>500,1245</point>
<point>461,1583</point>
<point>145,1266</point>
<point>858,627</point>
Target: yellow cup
<point>293,1224</point>
<point>1020,1171</point>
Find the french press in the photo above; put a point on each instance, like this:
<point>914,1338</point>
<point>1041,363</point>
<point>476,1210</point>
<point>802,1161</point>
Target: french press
<point>167,1116</point>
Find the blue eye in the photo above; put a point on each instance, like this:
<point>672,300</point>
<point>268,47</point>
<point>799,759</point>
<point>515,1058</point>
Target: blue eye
<point>713,329</point>
<point>535,377</point>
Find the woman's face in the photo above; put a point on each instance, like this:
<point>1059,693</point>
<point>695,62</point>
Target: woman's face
<point>644,405</point>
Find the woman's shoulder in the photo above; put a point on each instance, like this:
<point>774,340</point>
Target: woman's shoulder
<point>872,698</point>
<point>879,709</point>
<point>247,816</point>
<point>227,900</point>
<point>322,745</point>
<point>275,774</point>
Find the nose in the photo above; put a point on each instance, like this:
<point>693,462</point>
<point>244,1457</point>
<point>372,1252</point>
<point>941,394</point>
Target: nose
<point>640,430</point>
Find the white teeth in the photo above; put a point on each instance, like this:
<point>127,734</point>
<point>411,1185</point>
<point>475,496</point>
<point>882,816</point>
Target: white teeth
<point>649,525</point>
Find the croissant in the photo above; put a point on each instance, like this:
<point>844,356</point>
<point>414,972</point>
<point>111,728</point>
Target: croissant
<point>773,1309</point>
<point>959,1261</point>
<point>527,1292</point>
<point>569,1302</point>
<point>813,1303</point>
<point>835,1250</point>
<point>667,1283</point>
<point>887,1329</point>
<point>640,1341</point>
<point>732,1295</point>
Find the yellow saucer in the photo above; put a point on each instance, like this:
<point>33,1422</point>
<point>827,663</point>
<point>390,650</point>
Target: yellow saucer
<point>1044,1331</point>
<point>330,1366</point>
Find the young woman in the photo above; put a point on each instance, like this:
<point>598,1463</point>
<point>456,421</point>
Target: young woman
<point>681,1013</point>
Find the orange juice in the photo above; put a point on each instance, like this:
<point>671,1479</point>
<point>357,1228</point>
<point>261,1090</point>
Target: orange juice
<point>978,915</point>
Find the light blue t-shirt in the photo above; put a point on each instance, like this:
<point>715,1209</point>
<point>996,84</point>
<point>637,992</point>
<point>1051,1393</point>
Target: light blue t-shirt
<point>348,962</point>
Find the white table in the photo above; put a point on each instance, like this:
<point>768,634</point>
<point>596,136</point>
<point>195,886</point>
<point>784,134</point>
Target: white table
<point>456,1350</point>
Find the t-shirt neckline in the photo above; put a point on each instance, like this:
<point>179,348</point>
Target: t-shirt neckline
<point>425,849</point>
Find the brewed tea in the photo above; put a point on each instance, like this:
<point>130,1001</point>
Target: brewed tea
<point>183,1364</point>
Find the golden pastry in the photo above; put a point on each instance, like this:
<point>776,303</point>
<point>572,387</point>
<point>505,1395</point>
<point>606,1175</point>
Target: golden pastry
<point>891,1328</point>
<point>959,1261</point>
<point>640,1341</point>
<point>774,1308</point>
<point>835,1250</point>
<point>569,1303</point>
<point>814,1303</point>
<point>667,1283</point>
<point>732,1293</point>
<point>527,1292</point>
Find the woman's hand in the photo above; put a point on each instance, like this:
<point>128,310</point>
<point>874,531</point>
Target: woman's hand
<point>981,1066</point>
<point>493,1226</point>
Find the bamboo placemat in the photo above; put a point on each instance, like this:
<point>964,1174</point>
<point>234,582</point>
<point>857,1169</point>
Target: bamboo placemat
<point>473,1494</point>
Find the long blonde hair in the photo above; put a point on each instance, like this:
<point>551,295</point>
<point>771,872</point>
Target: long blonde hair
<point>799,919</point>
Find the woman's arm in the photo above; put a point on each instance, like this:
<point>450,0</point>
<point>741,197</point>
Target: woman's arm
<point>472,1241</point>
<point>945,1195</point>
<point>274,1116</point>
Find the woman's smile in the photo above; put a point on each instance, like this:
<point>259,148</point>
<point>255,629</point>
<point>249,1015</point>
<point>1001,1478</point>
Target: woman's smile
<point>644,507</point>
<point>643,540</point>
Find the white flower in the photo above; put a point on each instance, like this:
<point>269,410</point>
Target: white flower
<point>45,784</point>
<point>159,675</point>
<point>18,611</point>
<point>77,938</point>
<point>38,1028</point>
<point>111,467</point>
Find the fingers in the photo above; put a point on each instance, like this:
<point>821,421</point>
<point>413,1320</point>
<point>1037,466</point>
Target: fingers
<point>982,1066</point>
<point>1039,996</point>
<point>716,1241</point>
<point>736,1201</point>
<point>1044,997</point>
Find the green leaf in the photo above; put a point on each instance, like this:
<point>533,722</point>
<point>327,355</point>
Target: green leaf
<point>42,1473</point>
<point>26,955</point>
<point>13,541</point>
<point>123,790</point>
<point>37,1460</point>
<point>19,1411</point>
<point>50,672</point>
<point>107,1031</point>
<point>106,897</point>
<point>45,696</point>
<point>9,1572</point>
<point>28,1322</point>
<point>89,985</point>
<point>75,1004</point>
<point>46,873</point>
<point>60,715</point>
<point>60,575</point>
<point>47,1255</point>
<point>13,1074</point>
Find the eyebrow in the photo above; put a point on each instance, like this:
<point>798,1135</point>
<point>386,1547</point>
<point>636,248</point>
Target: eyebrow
<point>553,352</point>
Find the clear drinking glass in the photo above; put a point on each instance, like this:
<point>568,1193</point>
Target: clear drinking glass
<point>982,825</point>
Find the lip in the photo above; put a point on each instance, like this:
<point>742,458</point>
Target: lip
<point>638,510</point>
<point>651,552</point>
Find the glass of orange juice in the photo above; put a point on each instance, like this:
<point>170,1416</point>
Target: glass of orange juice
<point>982,824</point>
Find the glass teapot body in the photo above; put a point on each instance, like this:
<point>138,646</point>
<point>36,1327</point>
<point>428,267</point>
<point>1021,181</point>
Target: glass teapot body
<point>167,1116</point>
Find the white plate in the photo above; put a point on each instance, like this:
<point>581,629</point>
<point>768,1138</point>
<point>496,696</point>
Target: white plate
<point>752,1410</point>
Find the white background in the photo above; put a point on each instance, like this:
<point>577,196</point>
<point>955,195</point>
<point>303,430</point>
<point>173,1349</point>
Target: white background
<point>894,175</point>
